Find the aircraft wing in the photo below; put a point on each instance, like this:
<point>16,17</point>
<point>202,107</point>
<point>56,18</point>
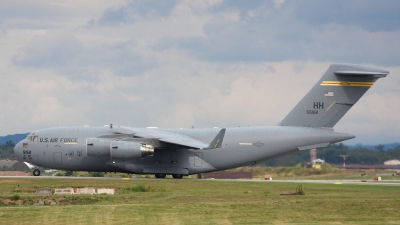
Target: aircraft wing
<point>174,138</point>
<point>184,141</point>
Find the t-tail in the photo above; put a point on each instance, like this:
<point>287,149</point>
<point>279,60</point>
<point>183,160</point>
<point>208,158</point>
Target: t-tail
<point>336,92</point>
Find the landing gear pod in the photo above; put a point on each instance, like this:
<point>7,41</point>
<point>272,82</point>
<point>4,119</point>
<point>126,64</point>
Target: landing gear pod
<point>130,150</point>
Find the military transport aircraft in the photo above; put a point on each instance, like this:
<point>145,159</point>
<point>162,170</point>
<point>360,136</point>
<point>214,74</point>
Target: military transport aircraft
<point>180,152</point>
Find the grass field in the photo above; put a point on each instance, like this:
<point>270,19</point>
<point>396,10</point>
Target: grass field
<point>327,172</point>
<point>190,201</point>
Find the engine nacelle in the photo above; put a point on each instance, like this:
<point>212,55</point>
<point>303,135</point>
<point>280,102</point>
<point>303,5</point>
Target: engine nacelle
<point>98,147</point>
<point>130,150</point>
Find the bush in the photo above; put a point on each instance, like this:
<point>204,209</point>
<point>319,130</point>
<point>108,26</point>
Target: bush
<point>118,175</point>
<point>139,188</point>
<point>65,173</point>
<point>69,173</point>
<point>97,174</point>
<point>15,197</point>
<point>59,173</point>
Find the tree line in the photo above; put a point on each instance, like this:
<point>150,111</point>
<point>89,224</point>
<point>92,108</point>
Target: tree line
<point>331,154</point>
<point>7,150</point>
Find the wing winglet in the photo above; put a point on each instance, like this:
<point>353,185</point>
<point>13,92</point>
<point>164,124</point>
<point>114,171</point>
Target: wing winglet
<point>217,142</point>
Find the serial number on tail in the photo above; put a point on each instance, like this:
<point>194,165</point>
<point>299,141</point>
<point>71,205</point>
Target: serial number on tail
<point>312,111</point>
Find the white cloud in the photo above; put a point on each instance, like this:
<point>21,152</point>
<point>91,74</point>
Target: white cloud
<point>53,49</point>
<point>192,63</point>
<point>278,3</point>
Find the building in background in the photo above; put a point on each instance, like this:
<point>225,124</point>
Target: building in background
<point>313,155</point>
<point>392,162</point>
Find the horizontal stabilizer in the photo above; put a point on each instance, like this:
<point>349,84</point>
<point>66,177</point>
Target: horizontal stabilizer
<point>365,73</point>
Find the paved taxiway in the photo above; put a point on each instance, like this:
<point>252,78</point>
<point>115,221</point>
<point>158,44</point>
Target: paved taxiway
<point>336,182</point>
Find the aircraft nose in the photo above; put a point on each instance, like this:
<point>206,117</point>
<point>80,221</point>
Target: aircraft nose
<point>18,149</point>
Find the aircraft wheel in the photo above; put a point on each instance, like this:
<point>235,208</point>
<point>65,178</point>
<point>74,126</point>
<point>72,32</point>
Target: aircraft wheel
<point>36,172</point>
<point>177,176</point>
<point>160,175</point>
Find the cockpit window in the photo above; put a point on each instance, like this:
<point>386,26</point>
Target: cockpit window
<point>34,138</point>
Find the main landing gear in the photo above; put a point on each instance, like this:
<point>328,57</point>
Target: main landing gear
<point>160,175</point>
<point>177,176</point>
<point>36,172</point>
<point>163,175</point>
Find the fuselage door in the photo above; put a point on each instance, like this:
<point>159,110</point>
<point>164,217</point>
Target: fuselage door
<point>57,158</point>
<point>198,162</point>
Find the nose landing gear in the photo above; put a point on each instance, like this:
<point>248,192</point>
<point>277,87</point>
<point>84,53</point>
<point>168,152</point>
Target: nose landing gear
<point>36,172</point>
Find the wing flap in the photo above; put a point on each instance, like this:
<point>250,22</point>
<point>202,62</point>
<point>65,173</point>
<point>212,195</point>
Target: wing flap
<point>308,147</point>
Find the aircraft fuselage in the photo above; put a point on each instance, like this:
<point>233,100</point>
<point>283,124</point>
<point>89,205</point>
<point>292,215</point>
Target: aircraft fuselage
<point>65,148</point>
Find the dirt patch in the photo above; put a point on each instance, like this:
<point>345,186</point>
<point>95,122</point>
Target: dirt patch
<point>47,201</point>
<point>228,175</point>
<point>19,202</point>
<point>6,201</point>
<point>14,173</point>
<point>14,181</point>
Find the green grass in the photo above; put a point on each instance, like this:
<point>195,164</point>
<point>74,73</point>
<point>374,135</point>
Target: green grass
<point>327,172</point>
<point>140,188</point>
<point>199,202</point>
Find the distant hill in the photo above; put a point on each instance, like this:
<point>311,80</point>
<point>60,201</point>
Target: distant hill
<point>15,138</point>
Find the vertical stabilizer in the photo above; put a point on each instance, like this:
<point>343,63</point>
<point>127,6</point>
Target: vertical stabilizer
<point>336,92</point>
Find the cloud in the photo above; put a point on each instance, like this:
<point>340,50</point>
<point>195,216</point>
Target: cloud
<point>129,12</point>
<point>368,15</point>
<point>53,49</point>
<point>284,33</point>
<point>30,15</point>
<point>190,63</point>
<point>62,51</point>
<point>123,58</point>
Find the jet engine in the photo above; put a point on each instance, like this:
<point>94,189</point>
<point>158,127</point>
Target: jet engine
<point>130,150</point>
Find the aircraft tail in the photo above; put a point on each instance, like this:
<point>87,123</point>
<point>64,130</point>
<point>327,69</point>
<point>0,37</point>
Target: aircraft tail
<point>336,92</point>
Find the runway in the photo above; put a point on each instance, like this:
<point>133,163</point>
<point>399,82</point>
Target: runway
<point>333,182</point>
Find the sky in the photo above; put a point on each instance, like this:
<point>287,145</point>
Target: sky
<point>178,64</point>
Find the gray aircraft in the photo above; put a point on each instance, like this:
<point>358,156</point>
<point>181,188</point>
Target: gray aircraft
<point>180,152</point>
